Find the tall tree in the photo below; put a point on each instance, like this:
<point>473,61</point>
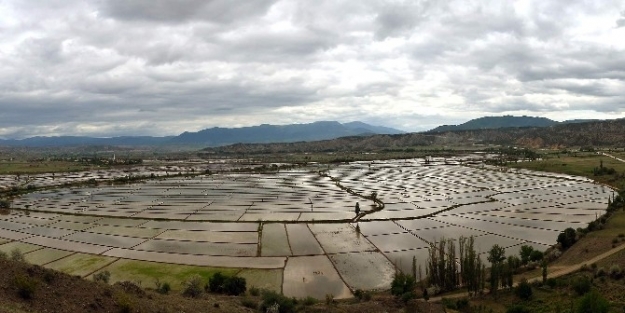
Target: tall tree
<point>496,256</point>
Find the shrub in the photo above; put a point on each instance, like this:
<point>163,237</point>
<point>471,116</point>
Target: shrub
<point>235,286</point>
<point>593,302</point>
<point>3,255</point>
<point>124,303</point>
<point>518,309</point>
<point>552,283</point>
<point>362,295</point>
<point>254,291</point>
<point>232,285</point>
<point>273,299</point>
<point>17,256</point>
<point>524,290</point>
<point>600,272</point>
<point>462,304</point>
<point>102,277</point>
<point>616,272</point>
<point>216,283</point>
<point>309,301</point>
<point>249,303</point>
<point>581,285</point>
<point>26,286</point>
<point>193,287</point>
<point>329,298</point>
<point>163,288</point>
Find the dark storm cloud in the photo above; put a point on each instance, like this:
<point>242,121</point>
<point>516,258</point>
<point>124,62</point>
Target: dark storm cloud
<point>121,67</point>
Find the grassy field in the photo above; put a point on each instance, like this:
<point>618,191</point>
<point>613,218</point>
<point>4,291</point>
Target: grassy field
<point>146,273</point>
<point>13,168</point>
<point>579,164</point>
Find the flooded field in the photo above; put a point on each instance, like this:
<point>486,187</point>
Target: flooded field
<point>296,231</point>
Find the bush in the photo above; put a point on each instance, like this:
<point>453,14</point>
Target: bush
<point>518,309</point>
<point>216,283</point>
<point>3,255</point>
<point>601,272</point>
<point>124,303</point>
<point>249,303</point>
<point>616,272</point>
<point>552,282</point>
<point>593,302</point>
<point>581,285</point>
<point>309,301</point>
<point>17,256</point>
<point>162,288</point>
<point>362,295</point>
<point>254,291</point>
<point>232,285</point>
<point>26,286</point>
<point>193,287</point>
<point>102,277</point>
<point>272,298</point>
<point>462,304</point>
<point>524,290</point>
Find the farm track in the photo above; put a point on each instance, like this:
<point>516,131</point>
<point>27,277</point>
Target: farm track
<point>561,271</point>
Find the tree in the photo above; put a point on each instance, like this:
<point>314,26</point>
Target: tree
<point>524,290</point>
<point>525,253</point>
<point>496,256</point>
<point>544,268</point>
<point>357,209</point>
<point>536,256</point>
<point>567,238</point>
<point>403,286</point>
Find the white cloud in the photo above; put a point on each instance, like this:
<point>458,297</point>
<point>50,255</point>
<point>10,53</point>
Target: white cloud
<point>105,68</point>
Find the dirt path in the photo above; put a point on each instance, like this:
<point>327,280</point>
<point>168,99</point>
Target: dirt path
<point>611,156</point>
<point>561,271</point>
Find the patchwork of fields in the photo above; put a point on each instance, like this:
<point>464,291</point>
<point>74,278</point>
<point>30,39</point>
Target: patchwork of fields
<point>295,231</point>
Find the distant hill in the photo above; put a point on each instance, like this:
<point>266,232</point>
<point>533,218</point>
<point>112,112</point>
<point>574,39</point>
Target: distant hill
<point>610,133</point>
<point>217,136</point>
<point>494,122</point>
<point>64,141</point>
<point>265,133</point>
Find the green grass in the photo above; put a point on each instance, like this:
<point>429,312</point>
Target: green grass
<point>80,264</point>
<point>23,247</point>
<point>148,272</point>
<point>41,167</point>
<point>580,164</point>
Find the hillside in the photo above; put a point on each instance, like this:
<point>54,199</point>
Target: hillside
<point>494,122</point>
<point>279,133</point>
<point>216,136</point>
<point>600,133</point>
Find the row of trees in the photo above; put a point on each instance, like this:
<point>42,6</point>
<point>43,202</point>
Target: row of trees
<point>447,271</point>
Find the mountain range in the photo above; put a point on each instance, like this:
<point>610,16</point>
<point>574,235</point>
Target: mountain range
<point>506,121</point>
<point>217,136</point>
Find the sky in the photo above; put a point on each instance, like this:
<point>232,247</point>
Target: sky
<point>159,67</point>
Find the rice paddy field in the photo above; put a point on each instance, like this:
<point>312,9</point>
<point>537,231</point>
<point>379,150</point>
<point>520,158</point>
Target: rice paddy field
<point>294,231</point>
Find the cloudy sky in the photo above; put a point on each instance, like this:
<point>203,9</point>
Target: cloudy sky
<point>160,67</point>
